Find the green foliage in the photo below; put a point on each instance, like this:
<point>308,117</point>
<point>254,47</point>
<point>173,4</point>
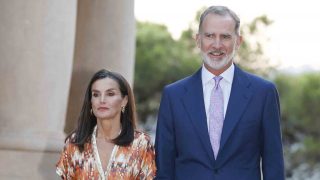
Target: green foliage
<point>160,60</point>
<point>300,102</point>
<point>251,55</point>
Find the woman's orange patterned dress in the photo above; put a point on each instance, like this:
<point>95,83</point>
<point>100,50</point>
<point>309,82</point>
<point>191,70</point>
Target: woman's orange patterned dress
<point>136,161</point>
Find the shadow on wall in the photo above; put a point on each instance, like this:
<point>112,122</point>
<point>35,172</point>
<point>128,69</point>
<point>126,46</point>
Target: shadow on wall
<point>47,165</point>
<point>80,80</point>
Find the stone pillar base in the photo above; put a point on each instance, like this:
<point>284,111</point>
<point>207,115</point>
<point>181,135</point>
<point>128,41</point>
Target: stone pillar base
<point>17,165</point>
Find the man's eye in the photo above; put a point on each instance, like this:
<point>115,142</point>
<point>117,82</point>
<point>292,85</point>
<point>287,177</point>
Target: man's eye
<point>226,36</point>
<point>209,35</point>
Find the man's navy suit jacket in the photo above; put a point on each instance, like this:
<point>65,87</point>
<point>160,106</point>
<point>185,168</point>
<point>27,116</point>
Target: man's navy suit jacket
<point>251,136</point>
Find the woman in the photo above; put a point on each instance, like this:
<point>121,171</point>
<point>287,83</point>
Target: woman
<point>105,144</point>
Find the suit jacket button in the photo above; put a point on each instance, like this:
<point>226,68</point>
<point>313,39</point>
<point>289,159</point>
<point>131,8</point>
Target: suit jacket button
<point>216,171</point>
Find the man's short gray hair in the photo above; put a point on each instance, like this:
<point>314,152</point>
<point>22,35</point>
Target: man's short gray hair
<point>222,11</point>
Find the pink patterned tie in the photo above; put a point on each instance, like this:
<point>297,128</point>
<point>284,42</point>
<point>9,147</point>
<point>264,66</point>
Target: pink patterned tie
<point>216,116</point>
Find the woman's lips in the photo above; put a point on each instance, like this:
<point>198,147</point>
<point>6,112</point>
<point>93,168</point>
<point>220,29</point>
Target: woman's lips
<point>103,108</point>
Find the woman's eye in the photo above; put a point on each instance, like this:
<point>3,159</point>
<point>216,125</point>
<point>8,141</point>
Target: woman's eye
<point>110,94</point>
<point>95,94</point>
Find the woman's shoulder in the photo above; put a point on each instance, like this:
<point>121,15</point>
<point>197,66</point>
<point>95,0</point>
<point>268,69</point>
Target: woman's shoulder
<point>141,135</point>
<point>141,138</point>
<point>71,146</point>
<point>69,141</point>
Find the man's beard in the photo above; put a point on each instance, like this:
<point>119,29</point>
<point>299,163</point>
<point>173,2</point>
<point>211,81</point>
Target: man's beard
<point>217,64</point>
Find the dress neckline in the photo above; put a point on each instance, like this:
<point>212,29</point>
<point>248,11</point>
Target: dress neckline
<point>103,175</point>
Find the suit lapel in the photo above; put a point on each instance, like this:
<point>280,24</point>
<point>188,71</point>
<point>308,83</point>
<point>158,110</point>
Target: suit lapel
<point>194,105</point>
<point>239,98</point>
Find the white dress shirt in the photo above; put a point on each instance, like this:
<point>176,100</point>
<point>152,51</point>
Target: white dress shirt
<point>208,84</point>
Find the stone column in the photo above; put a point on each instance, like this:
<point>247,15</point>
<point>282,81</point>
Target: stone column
<point>37,44</point>
<point>105,39</point>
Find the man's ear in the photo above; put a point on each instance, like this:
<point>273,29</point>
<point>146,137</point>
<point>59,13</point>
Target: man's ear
<point>198,40</point>
<point>239,41</point>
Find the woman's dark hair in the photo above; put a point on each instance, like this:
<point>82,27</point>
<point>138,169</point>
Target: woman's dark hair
<point>87,121</point>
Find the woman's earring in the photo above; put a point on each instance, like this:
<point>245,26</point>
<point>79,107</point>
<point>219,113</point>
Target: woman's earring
<point>123,108</point>
<point>91,111</point>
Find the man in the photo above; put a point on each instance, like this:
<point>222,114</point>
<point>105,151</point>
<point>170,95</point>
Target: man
<point>221,123</point>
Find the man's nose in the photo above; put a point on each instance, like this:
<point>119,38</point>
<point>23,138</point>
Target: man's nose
<point>216,43</point>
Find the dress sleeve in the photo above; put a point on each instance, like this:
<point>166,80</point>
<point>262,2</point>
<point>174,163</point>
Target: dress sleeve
<point>64,166</point>
<point>148,164</point>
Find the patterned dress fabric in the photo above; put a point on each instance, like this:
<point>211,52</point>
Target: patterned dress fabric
<point>136,161</point>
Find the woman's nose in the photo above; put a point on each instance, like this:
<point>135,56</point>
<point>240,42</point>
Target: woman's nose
<point>102,98</point>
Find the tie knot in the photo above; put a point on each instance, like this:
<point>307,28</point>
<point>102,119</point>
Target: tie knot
<point>217,80</point>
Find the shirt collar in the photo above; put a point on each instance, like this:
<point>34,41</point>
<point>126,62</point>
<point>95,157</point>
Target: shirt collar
<point>207,75</point>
